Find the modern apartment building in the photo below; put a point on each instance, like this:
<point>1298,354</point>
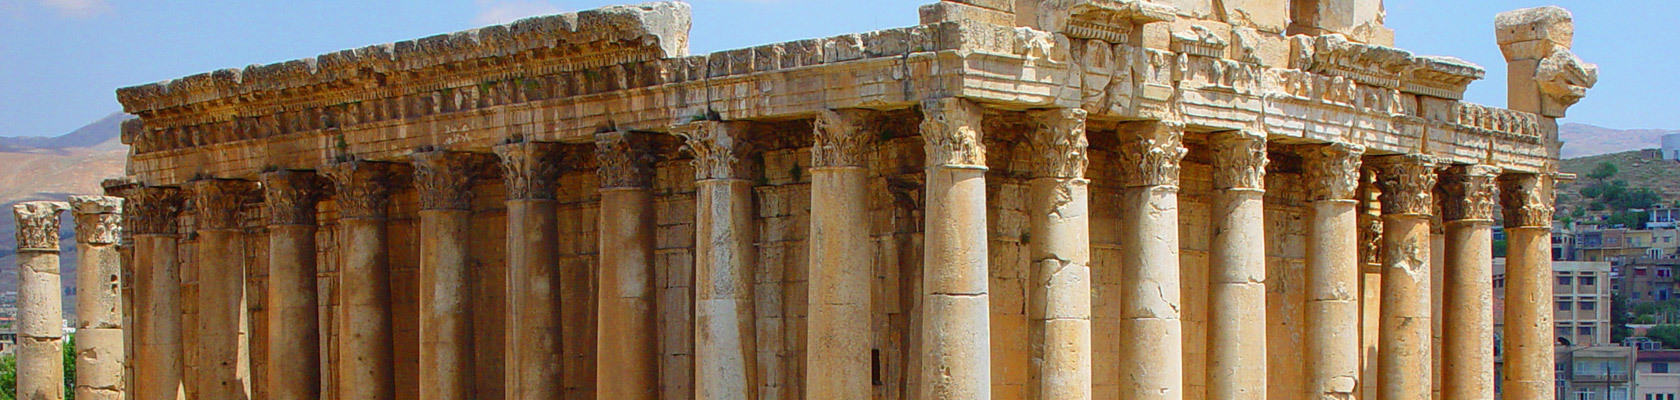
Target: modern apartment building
<point>1582,293</point>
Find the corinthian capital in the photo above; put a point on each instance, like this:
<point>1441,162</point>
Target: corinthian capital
<point>951,132</point>
<point>1467,193</point>
<point>624,160</point>
<point>218,202</point>
<point>839,137</point>
<point>530,170</point>
<point>1331,170</point>
<point>363,188</point>
<point>37,224</point>
<point>444,179</point>
<point>1407,182</point>
<point>98,219</point>
<point>1526,200</point>
<point>1239,160</point>
<point>1150,153</point>
<point>289,197</point>
<point>1060,147</point>
<point>153,210</point>
<point>717,148</point>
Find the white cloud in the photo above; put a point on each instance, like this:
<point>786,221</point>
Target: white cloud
<point>78,8</point>
<point>491,12</point>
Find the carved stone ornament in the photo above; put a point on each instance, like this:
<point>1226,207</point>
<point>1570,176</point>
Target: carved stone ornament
<point>363,188</point>
<point>1150,153</point>
<point>717,148</point>
<point>1467,192</point>
<point>623,160</point>
<point>951,133</point>
<point>444,179</point>
<point>1239,160</point>
<point>1332,170</point>
<point>289,197</point>
<point>218,202</point>
<point>530,170</point>
<point>1564,78</point>
<point>37,224</point>
<point>839,137</point>
<point>1060,147</point>
<point>1407,182</point>
<point>98,219</point>
<point>154,210</point>
<point>1370,221</point>
<point>1526,200</point>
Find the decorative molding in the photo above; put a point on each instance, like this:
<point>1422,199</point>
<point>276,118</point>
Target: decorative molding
<point>1467,192</point>
<point>154,210</point>
<point>217,202</point>
<point>444,179</point>
<point>1407,182</point>
<point>951,133</point>
<point>718,148</point>
<point>1480,117</point>
<point>99,219</point>
<point>839,137</point>
<point>363,188</point>
<point>1332,170</point>
<point>37,225</point>
<point>289,197</point>
<point>1150,153</point>
<point>623,160</point>
<point>1527,200</point>
<point>1239,160</point>
<point>1060,147</point>
<point>1107,20</point>
<point>530,170</point>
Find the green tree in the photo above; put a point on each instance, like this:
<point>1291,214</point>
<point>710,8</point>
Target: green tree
<point>1603,171</point>
<point>8,377</point>
<point>1619,317</point>
<point>70,367</point>
<point>1669,335</point>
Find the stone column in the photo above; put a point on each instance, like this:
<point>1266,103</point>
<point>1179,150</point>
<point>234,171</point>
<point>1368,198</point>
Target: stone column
<point>99,327</point>
<point>1149,156</point>
<point>1526,200</point>
<point>725,353</point>
<point>1467,288</point>
<point>1060,292</point>
<point>294,365</point>
<point>837,350</point>
<point>956,316</point>
<point>1237,269</point>
<point>40,328</point>
<point>444,182</point>
<point>219,257</point>
<point>627,340</point>
<point>530,172</point>
<point>1403,360</point>
<point>365,350</point>
<point>1333,271</point>
<point>157,292</point>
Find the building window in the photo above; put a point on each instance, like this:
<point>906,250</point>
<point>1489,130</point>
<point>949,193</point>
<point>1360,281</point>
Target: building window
<point>1659,368</point>
<point>1498,282</point>
<point>1589,281</point>
<point>1564,280</point>
<point>1665,273</point>
<point>1562,331</point>
<point>1565,305</point>
<point>1584,331</point>
<point>1589,305</point>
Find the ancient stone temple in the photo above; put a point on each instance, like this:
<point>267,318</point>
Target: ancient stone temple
<point>1015,199</point>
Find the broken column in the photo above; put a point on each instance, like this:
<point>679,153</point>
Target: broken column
<point>40,328</point>
<point>725,354</point>
<point>1526,200</point>
<point>219,257</point>
<point>530,172</point>
<point>1467,293</point>
<point>837,348</point>
<point>1149,156</point>
<point>157,292</point>
<point>1060,288</point>
<point>1333,271</point>
<point>444,182</point>
<point>99,328</point>
<point>365,348</point>
<point>1237,269</point>
<point>1405,337</point>
<point>956,321</point>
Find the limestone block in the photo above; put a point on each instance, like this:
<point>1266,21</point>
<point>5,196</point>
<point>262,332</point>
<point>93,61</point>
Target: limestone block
<point>951,11</point>
<point>99,360</point>
<point>1553,25</point>
<point>1270,16</point>
<point>1007,6</point>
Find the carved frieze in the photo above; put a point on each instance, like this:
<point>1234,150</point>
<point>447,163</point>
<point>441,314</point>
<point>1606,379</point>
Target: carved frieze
<point>362,188</point>
<point>99,219</point>
<point>1150,153</point>
<point>1407,182</point>
<point>154,210</point>
<point>1239,160</point>
<point>289,197</point>
<point>530,170</point>
<point>1107,20</point>
<point>1493,119</point>
<point>444,179</point>
<point>951,133</point>
<point>37,224</point>
<point>624,160</point>
<point>1527,200</point>
<point>217,202</point>
<point>1331,170</point>
<point>1060,147</point>
<point>839,137</point>
<point>1467,192</point>
<point>718,149</point>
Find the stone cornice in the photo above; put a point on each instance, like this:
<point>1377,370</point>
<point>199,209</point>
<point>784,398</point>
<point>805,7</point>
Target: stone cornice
<point>289,197</point>
<point>623,160</point>
<point>1239,160</point>
<point>1107,20</point>
<point>1467,192</point>
<point>1526,200</point>
<point>362,188</point>
<point>718,149</point>
<point>951,133</point>
<point>1407,182</point>
<point>839,137</point>
<point>154,210</point>
<point>1331,170</point>
<point>1150,153</point>
<point>217,202</point>
<point>1383,66</point>
<point>99,219</point>
<point>37,225</point>
<point>444,179</point>
<point>530,170</point>
<point>1060,147</point>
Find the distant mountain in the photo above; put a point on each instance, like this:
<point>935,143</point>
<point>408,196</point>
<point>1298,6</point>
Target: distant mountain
<point>1581,140</point>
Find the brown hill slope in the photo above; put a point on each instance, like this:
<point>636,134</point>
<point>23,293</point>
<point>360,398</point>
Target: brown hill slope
<point>1662,175</point>
<point>54,169</point>
<point>1581,140</point>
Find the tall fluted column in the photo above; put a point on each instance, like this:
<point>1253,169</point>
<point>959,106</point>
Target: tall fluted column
<point>837,364</point>
<point>1467,294</point>
<point>1149,155</point>
<point>1333,271</point>
<point>531,171</point>
<point>157,292</point>
<point>444,181</point>
<point>1403,361</point>
<point>725,353</point>
<point>364,329</point>
<point>627,340</point>
<point>40,329</point>
<point>956,316</point>
<point>294,338</point>
<point>219,257</point>
<point>1526,200</point>
<point>1237,288</point>
<point>99,326</point>
<point>1060,292</point>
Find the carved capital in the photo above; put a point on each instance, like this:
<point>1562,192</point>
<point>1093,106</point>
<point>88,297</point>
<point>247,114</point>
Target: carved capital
<point>838,137</point>
<point>1150,153</point>
<point>718,148</point>
<point>289,197</point>
<point>153,210</point>
<point>1467,192</point>
<point>444,179</point>
<point>624,160</point>
<point>98,219</point>
<point>1407,182</point>
<point>1526,200</point>
<point>37,224</point>
<point>530,170</point>
<point>1331,170</point>
<point>1239,160</point>
<point>1563,79</point>
<point>1060,147</point>
<point>218,202</point>
<point>951,133</point>
<point>363,188</point>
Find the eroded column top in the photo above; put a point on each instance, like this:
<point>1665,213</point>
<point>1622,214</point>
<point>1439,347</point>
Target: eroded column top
<point>1526,200</point>
<point>718,148</point>
<point>1150,153</point>
<point>530,170</point>
<point>218,202</point>
<point>624,160</point>
<point>37,225</point>
<point>99,219</point>
<point>1407,182</point>
<point>951,133</point>
<point>1332,170</point>
<point>1467,192</point>
<point>1060,147</point>
<point>289,197</point>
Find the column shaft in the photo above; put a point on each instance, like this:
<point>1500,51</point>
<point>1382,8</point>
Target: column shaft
<point>530,172</point>
<point>837,349</point>
<point>1150,153</point>
<point>1406,336</point>
<point>444,182</point>
<point>99,329</point>
<point>1060,291</point>
<point>1333,272</point>
<point>219,257</point>
<point>294,338</point>
<point>1467,292</point>
<point>40,328</point>
<point>627,337</point>
<point>1237,299</point>
<point>956,317</point>
<point>364,329</point>
<point>725,351</point>
<point>1526,200</point>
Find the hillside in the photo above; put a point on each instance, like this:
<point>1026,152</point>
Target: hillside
<point>1581,140</point>
<point>1662,175</point>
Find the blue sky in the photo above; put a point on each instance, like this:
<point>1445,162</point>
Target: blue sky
<point>61,60</point>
